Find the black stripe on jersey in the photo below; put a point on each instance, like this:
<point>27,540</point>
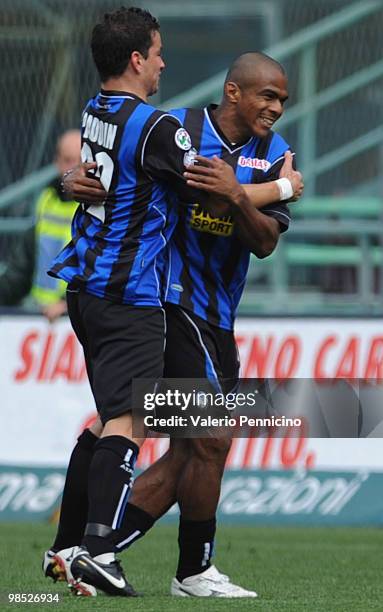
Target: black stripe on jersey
<point>71,261</point>
<point>273,172</point>
<point>261,153</point>
<point>121,268</point>
<point>230,158</point>
<point>122,116</point>
<point>193,123</point>
<point>278,210</point>
<point>181,239</point>
<point>144,134</point>
<point>88,255</point>
<point>230,265</point>
<point>207,245</point>
<point>264,146</point>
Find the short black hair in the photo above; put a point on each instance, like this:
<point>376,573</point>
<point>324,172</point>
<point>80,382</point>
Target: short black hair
<point>118,35</point>
<point>243,68</point>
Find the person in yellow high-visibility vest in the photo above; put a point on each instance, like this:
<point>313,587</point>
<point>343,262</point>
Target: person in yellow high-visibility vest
<point>54,213</point>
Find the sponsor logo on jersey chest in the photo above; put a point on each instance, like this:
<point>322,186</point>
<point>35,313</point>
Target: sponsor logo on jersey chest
<point>254,162</point>
<point>201,221</point>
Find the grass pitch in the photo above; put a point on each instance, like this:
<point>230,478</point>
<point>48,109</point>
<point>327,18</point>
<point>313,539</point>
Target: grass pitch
<point>292,569</point>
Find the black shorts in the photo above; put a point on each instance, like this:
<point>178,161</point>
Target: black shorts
<point>197,349</point>
<point>120,342</point>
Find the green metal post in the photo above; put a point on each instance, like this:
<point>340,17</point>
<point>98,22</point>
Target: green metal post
<point>279,275</point>
<point>365,271</point>
<point>308,122</point>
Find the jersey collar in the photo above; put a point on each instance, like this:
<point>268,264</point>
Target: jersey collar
<point>108,93</point>
<point>232,148</point>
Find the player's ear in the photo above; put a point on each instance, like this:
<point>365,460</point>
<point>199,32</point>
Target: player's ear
<point>136,61</point>
<point>232,92</point>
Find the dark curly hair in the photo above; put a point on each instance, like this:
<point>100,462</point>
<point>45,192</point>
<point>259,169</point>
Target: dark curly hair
<point>118,35</point>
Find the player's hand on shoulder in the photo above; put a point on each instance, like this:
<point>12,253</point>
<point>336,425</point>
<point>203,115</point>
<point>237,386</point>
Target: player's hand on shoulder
<point>295,177</point>
<point>210,174</point>
<point>213,175</point>
<point>81,187</point>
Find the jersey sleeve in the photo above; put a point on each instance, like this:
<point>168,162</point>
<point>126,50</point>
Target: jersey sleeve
<point>278,210</point>
<point>166,153</point>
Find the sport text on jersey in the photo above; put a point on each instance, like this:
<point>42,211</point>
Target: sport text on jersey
<point>99,131</point>
<point>201,221</point>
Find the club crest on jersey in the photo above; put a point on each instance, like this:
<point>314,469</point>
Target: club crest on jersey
<point>189,157</point>
<point>201,221</point>
<point>183,140</point>
<point>254,162</point>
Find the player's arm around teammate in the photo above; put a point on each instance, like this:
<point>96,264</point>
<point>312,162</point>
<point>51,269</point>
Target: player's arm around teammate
<point>257,231</point>
<point>218,178</point>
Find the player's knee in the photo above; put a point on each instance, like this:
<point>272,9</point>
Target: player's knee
<point>123,426</point>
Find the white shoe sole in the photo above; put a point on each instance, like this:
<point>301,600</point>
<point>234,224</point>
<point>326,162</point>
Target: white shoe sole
<point>178,593</point>
<point>77,587</point>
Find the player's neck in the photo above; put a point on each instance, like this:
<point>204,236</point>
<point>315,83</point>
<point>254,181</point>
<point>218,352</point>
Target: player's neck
<point>127,85</point>
<point>228,123</point>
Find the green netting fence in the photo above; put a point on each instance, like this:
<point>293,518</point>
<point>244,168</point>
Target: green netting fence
<point>47,72</point>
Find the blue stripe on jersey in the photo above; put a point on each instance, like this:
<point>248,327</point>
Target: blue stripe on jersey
<point>82,244</point>
<point>244,176</point>
<point>114,103</point>
<point>209,146</point>
<point>179,113</point>
<point>149,275</point>
<point>222,250</point>
<point>277,149</point>
<point>174,261</point>
<point>210,372</point>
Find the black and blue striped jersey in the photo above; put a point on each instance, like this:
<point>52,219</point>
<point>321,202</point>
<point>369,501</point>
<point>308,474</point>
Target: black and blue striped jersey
<point>117,249</point>
<point>207,263</point>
